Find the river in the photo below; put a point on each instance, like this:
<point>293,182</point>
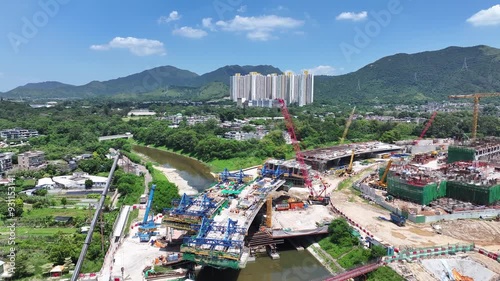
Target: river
<point>193,171</point>
<point>292,265</point>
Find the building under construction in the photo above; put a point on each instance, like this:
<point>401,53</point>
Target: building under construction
<point>475,182</point>
<point>322,159</point>
<point>486,149</point>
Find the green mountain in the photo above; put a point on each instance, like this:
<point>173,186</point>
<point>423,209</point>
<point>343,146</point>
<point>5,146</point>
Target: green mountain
<point>404,78</point>
<point>163,81</point>
<point>222,74</point>
<point>400,78</point>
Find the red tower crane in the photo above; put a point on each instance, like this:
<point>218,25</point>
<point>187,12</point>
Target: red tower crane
<point>300,156</point>
<point>427,126</point>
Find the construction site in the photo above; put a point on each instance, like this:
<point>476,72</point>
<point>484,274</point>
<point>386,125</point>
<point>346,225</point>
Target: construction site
<point>440,215</point>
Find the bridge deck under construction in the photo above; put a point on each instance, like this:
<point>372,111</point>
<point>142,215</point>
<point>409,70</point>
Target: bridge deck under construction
<point>220,221</point>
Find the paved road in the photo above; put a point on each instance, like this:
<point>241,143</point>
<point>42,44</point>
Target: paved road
<point>107,267</point>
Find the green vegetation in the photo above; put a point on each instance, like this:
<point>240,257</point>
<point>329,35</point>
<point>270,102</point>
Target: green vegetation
<point>342,245</point>
<point>384,273</point>
<point>169,83</point>
<point>414,78</point>
<point>131,217</point>
<point>130,187</point>
<point>397,79</point>
<point>165,191</point>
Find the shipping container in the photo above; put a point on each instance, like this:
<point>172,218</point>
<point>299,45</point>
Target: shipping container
<point>297,205</point>
<point>282,207</point>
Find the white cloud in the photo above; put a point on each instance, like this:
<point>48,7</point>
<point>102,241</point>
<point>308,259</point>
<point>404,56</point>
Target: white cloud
<point>190,32</point>
<point>207,23</point>
<point>490,16</point>
<point>242,9</point>
<point>259,28</point>
<point>322,70</point>
<point>352,16</point>
<point>173,16</point>
<point>137,46</point>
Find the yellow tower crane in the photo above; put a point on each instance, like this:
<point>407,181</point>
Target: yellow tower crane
<point>347,125</point>
<point>476,98</point>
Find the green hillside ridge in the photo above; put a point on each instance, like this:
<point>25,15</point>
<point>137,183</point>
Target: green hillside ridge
<point>429,75</point>
<point>146,84</point>
<point>397,79</point>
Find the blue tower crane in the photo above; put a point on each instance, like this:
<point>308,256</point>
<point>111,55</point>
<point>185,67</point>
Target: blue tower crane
<point>147,227</point>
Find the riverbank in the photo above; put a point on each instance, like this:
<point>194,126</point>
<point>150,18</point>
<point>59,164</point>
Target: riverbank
<point>174,177</point>
<point>217,165</point>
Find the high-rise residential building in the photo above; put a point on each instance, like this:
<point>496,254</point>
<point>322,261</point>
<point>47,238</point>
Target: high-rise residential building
<point>260,90</point>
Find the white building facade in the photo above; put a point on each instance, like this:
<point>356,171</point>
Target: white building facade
<point>257,88</point>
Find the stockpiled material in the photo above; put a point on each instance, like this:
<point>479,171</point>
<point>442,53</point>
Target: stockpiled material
<point>456,153</point>
<point>480,195</point>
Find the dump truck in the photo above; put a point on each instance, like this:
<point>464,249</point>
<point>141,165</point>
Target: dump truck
<point>398,220</point>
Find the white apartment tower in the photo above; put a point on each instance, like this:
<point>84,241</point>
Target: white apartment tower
<point>261,90</point>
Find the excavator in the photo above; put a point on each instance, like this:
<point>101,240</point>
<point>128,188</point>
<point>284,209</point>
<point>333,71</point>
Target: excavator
<point>383,180</point>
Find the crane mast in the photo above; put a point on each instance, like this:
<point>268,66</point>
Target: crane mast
<point>427,126</point>
<point>347,125</point>
<point>477,97</point>
<point>296,145</point>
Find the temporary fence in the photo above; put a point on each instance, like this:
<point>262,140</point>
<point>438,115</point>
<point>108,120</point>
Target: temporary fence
<point>429,252</point>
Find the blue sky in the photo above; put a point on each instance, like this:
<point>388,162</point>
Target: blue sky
<point>77,41</point>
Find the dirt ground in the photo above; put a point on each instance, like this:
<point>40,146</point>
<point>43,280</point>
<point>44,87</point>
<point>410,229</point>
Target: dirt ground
<point>483,233</point>
<point>367,215</point>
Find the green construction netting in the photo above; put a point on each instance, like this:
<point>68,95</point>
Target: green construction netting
<point>456,153</point>
<point>480,195</point>
<point>418,194</point>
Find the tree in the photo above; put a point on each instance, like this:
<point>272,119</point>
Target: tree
<point>64,201</point>
<point>248,128</point>
<point>41,192</point>
<point>377,252</point>
<point>341,233</point>
<point>24,266</point>
<point>88,184</point>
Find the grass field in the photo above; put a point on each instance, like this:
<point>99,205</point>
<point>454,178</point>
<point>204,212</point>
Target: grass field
<point>42,213</point>
<point>37,231</point>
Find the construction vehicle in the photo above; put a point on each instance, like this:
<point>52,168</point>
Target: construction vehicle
<point>347,125</point>
<point>349,169</point>
<point>383,180</point>
<point>427,126</point>
<point>398,219</point>
<point>476,98</point>
<point>314,197</point>
<point>148,226</point>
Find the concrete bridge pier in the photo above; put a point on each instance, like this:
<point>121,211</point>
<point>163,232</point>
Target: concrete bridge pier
<point>272,252</point>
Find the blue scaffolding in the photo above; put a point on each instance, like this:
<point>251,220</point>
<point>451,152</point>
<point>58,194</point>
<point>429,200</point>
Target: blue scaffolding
<point>208,225</point>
